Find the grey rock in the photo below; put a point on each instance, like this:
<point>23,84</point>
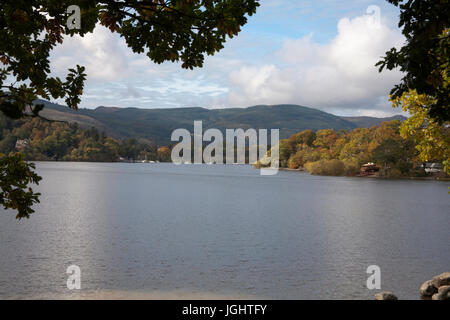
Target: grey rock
<point>385,295</point>
<point>443,293</point>
<point>441,280</point>
<point>427,289</point>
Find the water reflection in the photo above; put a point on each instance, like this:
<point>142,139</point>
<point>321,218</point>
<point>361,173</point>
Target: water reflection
<point>150,228</point>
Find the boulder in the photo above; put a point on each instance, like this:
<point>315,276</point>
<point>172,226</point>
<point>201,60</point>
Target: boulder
<point>441,280</point>
<point>442,294</point>
<point>427,289</point>
<point>385,295</point>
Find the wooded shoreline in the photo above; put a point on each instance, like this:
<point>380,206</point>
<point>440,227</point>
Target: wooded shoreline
<point>433,178</point>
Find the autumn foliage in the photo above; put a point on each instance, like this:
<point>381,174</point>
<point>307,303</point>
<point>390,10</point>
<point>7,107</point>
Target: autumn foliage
<point>327,152</point>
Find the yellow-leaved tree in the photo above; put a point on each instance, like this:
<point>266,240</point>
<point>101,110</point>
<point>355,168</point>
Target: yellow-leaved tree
<point>432,138</point>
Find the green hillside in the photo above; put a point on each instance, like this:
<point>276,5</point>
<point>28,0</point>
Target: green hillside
<point>367,122</point>
<point>157,125</point>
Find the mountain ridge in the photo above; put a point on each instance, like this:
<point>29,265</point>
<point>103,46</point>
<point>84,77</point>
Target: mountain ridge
<point>157,124</point>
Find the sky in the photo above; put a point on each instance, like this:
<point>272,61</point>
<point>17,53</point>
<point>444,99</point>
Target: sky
<point>315,53</point>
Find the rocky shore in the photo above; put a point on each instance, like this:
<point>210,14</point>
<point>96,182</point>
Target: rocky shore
<point>437,288</point>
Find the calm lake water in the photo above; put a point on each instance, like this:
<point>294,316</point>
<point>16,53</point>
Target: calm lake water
<point>161,230</point>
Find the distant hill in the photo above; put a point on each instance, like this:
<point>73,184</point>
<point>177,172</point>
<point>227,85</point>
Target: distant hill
<point>367,122</point>
<point>157,124</point>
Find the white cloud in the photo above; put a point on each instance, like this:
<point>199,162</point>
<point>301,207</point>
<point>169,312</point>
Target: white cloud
<point>259,85</point>
<point>104,54</point>
<point>118,77</point>
<point>339,75</point>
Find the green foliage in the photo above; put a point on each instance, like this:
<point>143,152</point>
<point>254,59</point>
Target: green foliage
<point>285,151</point>
<point>15,176</point>
<point>172,30</point>
<point>388,152</point>
<point>177,30</point>
<point>394,173</point>
<point>303,139</point>
<point>352,167</point>
<point>332,167</point>
<point>431,138</point>
<point>44,140</point>
<point>297,160</point>
<point>327,152</point>
<point>424,59</point>
<point>164,154</point>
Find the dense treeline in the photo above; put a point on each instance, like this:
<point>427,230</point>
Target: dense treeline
<point>41,140</point>
<point>327,152</point>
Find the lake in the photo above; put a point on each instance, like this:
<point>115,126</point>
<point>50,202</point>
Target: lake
<point>218,231</point>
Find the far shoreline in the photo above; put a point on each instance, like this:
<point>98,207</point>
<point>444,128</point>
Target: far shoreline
<point>371,177</point>
<point>443,179</point>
